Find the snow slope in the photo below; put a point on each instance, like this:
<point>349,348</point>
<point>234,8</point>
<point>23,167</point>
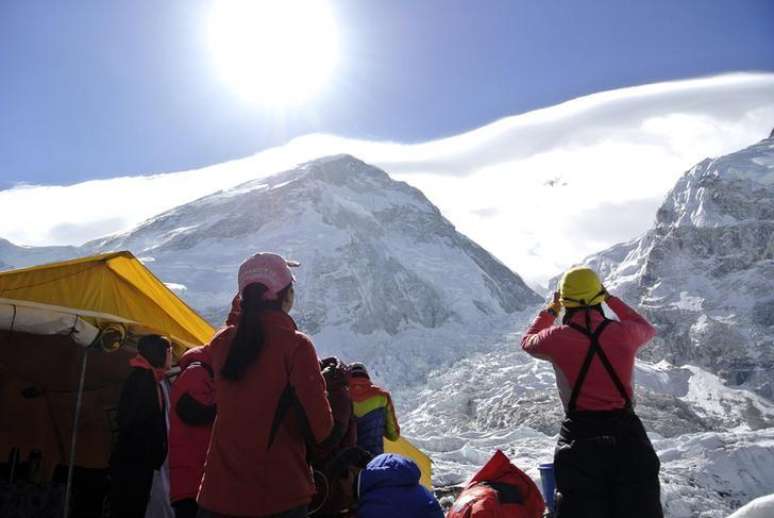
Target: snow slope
<point>716,443</point>
<point>704,273</point>
<point>762,507</point>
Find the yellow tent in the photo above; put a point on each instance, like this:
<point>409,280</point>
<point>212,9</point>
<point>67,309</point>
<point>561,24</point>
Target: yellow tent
<point>405,448</point>
<point>113,287</point>
<point>58,390</point>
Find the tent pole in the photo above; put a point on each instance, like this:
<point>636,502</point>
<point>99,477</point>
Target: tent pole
<point>76,419</point>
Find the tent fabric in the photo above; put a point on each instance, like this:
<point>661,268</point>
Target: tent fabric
<point>110,287</point>
<point>48,314</point>
<point>21,317</point>
<point>403,447</point>
<point>39,377</point>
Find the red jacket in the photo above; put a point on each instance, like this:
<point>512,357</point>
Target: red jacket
<point>566,349</point>
<point>244,474</point>
<point>190,422</point>
<point>499,490</point>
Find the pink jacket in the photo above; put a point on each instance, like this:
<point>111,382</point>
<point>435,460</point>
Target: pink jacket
<point>566,349</point>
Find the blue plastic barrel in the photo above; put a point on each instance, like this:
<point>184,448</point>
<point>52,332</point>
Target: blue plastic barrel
<point>548,482</point>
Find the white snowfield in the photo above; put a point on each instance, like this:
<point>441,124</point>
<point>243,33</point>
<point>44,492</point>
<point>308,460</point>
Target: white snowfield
<point>716,444</point>
<point>704,274</point>
<point>762,507</point>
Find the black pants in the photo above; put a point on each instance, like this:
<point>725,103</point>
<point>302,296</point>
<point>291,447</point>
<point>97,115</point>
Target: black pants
<point>187,508</point>
<point>130,488</point>
<point>606,467</point>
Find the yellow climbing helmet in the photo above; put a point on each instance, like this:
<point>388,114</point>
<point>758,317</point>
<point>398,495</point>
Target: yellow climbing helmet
<point>580,286</point>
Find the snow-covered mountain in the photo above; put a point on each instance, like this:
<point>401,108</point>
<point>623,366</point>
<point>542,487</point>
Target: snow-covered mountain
<point>385,277</point>
<point>704,273</point>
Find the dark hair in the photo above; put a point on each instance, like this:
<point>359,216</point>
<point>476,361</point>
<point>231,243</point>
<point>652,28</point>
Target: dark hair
<point>154,349</point>
<point>248,340</point>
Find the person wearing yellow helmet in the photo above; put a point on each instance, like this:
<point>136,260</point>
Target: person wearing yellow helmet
<point>604,463</point>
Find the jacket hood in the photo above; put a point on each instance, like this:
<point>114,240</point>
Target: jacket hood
<point>197,354</point>
<point>497,469</point>
<point>500,469</point>
<point>388,470</point>
<point>362,389</point>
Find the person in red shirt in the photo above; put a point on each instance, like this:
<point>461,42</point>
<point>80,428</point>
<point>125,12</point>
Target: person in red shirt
<point>271,402</point>
<point>604,463</point>
<point>190,424</point>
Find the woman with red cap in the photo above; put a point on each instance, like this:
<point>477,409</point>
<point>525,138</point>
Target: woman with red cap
<point>271,402</point>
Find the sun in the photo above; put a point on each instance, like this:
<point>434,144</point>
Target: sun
<point>273,52</point>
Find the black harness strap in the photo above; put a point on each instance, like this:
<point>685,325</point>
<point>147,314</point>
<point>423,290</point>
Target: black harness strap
<point>595,350</point>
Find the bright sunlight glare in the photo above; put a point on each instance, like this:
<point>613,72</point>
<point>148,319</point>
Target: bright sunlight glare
<point>274,52</point>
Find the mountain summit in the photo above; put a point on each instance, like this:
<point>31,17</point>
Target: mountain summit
<point>376,254</point>
<point>385,278</point>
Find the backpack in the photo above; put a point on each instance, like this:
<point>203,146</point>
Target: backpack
<point>499,490</point>
<point>337,459</point>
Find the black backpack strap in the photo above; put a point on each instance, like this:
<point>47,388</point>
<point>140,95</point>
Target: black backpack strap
<point>595,349</point>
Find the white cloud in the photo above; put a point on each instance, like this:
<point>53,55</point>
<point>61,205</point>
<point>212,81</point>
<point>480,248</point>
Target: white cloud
<point>540,190</point>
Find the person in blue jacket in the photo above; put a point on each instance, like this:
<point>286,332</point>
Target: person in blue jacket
<point>389,487</point>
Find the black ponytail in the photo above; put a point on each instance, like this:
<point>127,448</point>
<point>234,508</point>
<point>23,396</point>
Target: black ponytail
<point>248,340</point>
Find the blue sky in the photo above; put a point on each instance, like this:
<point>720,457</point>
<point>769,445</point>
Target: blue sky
<point>92,89</point>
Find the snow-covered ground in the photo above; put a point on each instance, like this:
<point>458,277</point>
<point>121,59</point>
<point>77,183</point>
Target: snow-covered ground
<point>762,507</point>
<point>716,443</point>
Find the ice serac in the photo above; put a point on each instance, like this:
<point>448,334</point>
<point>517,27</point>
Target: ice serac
<point>381,267</point>
<point>704,274</point>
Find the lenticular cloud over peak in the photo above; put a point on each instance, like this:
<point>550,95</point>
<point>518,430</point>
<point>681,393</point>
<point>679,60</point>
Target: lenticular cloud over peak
<point>540,190</point>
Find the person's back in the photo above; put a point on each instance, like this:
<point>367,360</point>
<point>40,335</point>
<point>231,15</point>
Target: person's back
<point>191,417</point>
<point>374,411</point>
<point>269,391</point>
<point>389,487</point>
<point>337,458</point>
<point>141,447</point>
<point>604,463</point>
